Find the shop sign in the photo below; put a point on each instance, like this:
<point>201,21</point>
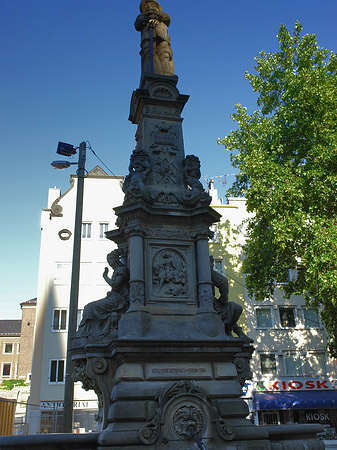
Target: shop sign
<point>317,416</point>
<point>298,384</point>
<point>78,404</point>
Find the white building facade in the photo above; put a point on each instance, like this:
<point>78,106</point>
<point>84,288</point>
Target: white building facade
<point>293,377</point>
<point>101,194</point>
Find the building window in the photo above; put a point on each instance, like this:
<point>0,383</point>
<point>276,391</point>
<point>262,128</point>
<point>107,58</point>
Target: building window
<point>293,364</point>
<point>86,230</point>
<point>218,265</point>
<point>287,317</point>
<point>59,322</point>
<point>8,347</point>
<point>103,227</point>
<point>316,364</point>
<point>18,348</point>
<point>268,364</point>
<point>79,317</point>
<point>264,317</point>
<point>311,318</point>
<point>6,370</point>
<point>16,370</point>
<point>56,371</point>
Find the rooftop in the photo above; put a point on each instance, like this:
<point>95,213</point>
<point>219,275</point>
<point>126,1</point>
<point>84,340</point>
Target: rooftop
<point>10,327</point>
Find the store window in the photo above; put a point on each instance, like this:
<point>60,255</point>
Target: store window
<point>316,364</point>
<point>59,322</point>
<point>56,371</point>
<point>287,317</point>
<point>8,347</point>
<point>311,318</point>
<point>264,317</point>
<point>293,364</point>
<point>268,363</point>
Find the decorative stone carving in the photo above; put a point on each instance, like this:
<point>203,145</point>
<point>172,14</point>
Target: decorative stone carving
<point>164,139</point>
<point>243,369</point>
<point>226,431</point>
<point>90,373</point>
<point>153,20</point>
<point>186,416</point>
<point>169,274</point>
<point>158,110</point>
<point>135,229</point>
<point>139,169</point>
<point>162,92</point>
<point>229,312</point>
<point>205,295</point>
<point>192,175</point>
<point>166,198</point>
<point>160,233</point>
<point>164,171</point>
<point>64,234</point>
<point>185,408</point>
<point>100,318</point>
<point>137,293</point>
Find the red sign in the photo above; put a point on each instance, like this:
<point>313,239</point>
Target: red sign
<point>298,384</point>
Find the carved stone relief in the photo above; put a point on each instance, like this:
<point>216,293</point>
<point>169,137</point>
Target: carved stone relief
<point>157,110</point>
<point>168,234</point>
<point>243,369</point>
<point>183,410</point>
<point>205,296</point>
<point>169,274</point>
<point>136,293</point>
<point>164,138</point>
<point>164,171</point>
<point>185,416</point>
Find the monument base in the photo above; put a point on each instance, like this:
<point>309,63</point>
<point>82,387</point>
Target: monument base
<point>175,395</point>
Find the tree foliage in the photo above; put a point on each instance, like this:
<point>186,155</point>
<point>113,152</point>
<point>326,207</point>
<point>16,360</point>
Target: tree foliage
<point>286,153</point>
<point>11,384</point>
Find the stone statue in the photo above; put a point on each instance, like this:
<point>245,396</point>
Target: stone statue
<point>192,175</point>
<point>101,316</point>
<point>139,169</point>
<point>153,19</point>
<point>230,312</point>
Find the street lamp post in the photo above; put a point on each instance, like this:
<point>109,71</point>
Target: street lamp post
<point>67,423</point>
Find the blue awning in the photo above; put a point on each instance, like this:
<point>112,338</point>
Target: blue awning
<point>296,400</point>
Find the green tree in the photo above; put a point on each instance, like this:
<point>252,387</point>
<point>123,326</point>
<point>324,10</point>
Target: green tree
<point>286,153</point>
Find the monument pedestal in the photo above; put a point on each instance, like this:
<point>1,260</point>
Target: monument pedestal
<point>158,394</point>
<point>155,394</point>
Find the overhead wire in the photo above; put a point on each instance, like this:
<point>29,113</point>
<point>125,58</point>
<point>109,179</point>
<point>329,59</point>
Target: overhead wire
<point>95,154</point>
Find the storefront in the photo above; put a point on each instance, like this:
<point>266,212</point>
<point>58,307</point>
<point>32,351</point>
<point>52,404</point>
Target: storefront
<point>300,400</point>
<point>85,413</point>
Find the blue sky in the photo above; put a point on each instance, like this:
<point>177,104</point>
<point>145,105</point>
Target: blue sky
<point>68,69</point>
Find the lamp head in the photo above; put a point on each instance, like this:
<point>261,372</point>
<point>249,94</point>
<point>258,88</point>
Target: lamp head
<point>60,165</point>
<point>65,149</point>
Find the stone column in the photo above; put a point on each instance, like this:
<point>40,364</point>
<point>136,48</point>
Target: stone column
<point>205,293</point>
<point>136,246</point>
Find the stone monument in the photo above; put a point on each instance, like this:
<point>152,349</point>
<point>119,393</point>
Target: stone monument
<point>166,358</point>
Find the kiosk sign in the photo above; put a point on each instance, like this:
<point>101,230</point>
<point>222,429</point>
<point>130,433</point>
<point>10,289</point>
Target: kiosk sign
<point>298,384</point>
